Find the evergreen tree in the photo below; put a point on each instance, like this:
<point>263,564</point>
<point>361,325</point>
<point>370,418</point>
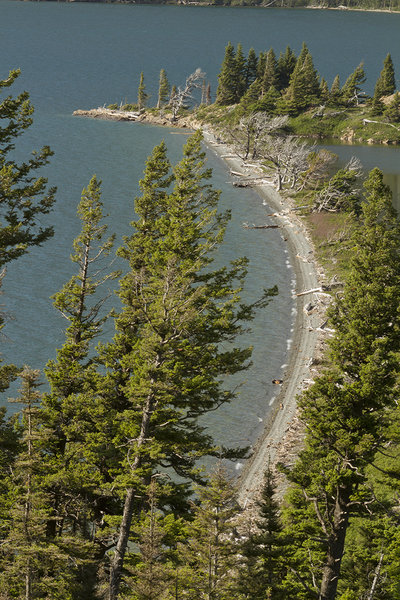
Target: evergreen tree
<point>227,84</point>
<point>251,68</point>
<point>211,553</point>
<point>371,565</point>
<point>240,73</point>
<point>351,90</point>
<point>167,355</point>
<point>74,446</point>
<point>152,571</point>
<point>270,74</point>
<point>386,84</point>
<point>335,91</point>
<point>264,565</point>
<point>163,89</point>
<point>34,565</point>
<point>285,67</point>
<point>392,112</point>
<point>323,90</point>
<point>262,60</point>
<point>347,409</point>
<point>142,96</point>
<point>173,93</point>
<point>208,94</point>
<point>252,95</point>
<point>303,90</point>
<point>24,197</point>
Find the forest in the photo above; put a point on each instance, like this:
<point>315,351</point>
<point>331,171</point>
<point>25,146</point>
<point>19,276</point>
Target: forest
<point>102,494</point>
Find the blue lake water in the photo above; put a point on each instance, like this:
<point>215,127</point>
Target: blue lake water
<point>81,55</point>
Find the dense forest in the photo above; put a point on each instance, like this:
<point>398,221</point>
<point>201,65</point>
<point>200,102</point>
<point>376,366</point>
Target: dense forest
<point>101,494</point>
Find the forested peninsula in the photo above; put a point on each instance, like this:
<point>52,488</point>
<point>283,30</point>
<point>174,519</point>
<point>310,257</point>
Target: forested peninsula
<point>101,494</point>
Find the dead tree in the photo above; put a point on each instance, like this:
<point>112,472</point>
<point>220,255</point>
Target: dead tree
<point>182,96</point>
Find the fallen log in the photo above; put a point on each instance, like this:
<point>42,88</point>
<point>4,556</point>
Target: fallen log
<point>309,291</point>
<point>246,226</point>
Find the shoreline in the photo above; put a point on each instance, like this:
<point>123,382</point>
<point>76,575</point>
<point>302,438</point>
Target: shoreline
<point>282,435</point>
<point>280,438</point>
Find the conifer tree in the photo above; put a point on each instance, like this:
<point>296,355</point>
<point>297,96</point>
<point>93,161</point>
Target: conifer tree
<point>240,73</point>
<point>210,554</point>
<point>142,96</point>
<point>348,408</point>
<point>167,356</point>
<point>252,95</point>
<point>33,564</point>
<point>24,196</point>
<point>75,471</point>
<point>270,74</point>
<point>386,84</point>
<point>323,90</point>
<point>262,59</point>
<point>227,85</point>
<point>351,90</point>
<point>264,565</point>
<point>251,68</point>
<point>285,67</point>
<point>152,571</point>
<point>163,89</point>
<point>392,112</point>
<point>335,91</point>
<point>303,90</point>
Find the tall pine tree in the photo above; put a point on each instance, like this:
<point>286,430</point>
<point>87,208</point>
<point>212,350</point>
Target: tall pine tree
<point>167,354</point>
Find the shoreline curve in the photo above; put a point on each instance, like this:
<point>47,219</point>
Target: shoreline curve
<point>280,423</point>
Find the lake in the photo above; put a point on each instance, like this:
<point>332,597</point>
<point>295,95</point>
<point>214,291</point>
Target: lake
<point>81,55</point>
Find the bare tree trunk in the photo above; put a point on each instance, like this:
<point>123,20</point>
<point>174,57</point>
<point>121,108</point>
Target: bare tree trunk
<point>127,515</point>
<point>331,570</point>
<point>120,549</point>
<point>376,577</point>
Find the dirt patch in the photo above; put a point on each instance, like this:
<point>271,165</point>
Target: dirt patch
<point>325,226</point>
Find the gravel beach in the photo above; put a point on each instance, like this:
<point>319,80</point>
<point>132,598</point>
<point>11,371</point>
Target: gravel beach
<point>281,438</point>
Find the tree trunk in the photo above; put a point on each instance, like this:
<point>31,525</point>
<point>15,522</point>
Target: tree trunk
<point>120,550</point>
<point>331,570</point>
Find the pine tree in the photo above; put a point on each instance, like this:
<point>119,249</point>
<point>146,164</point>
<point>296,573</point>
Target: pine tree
<point>152,571</point>
<point>210,553</point>
<point>252,95</point>
<point>251,68</point>
<point>335,91</point>
<point>270,74</point>
<point>34,565</point>
<point>262,59</point>
<point>24,197</point>
<point>142,96</point>
<point>351,90</point>
<point>167,355</point>
<point>392,112</point>
<point>240,73</point>
<point>323,90</point>
<point>163,89</point>
<point>285,67</point>
<point>303,90</point>
<point>386,84</point>
<point>347,409</point>
<point>227,85</point>
<point>74,450</point>
<point>263,551</point>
